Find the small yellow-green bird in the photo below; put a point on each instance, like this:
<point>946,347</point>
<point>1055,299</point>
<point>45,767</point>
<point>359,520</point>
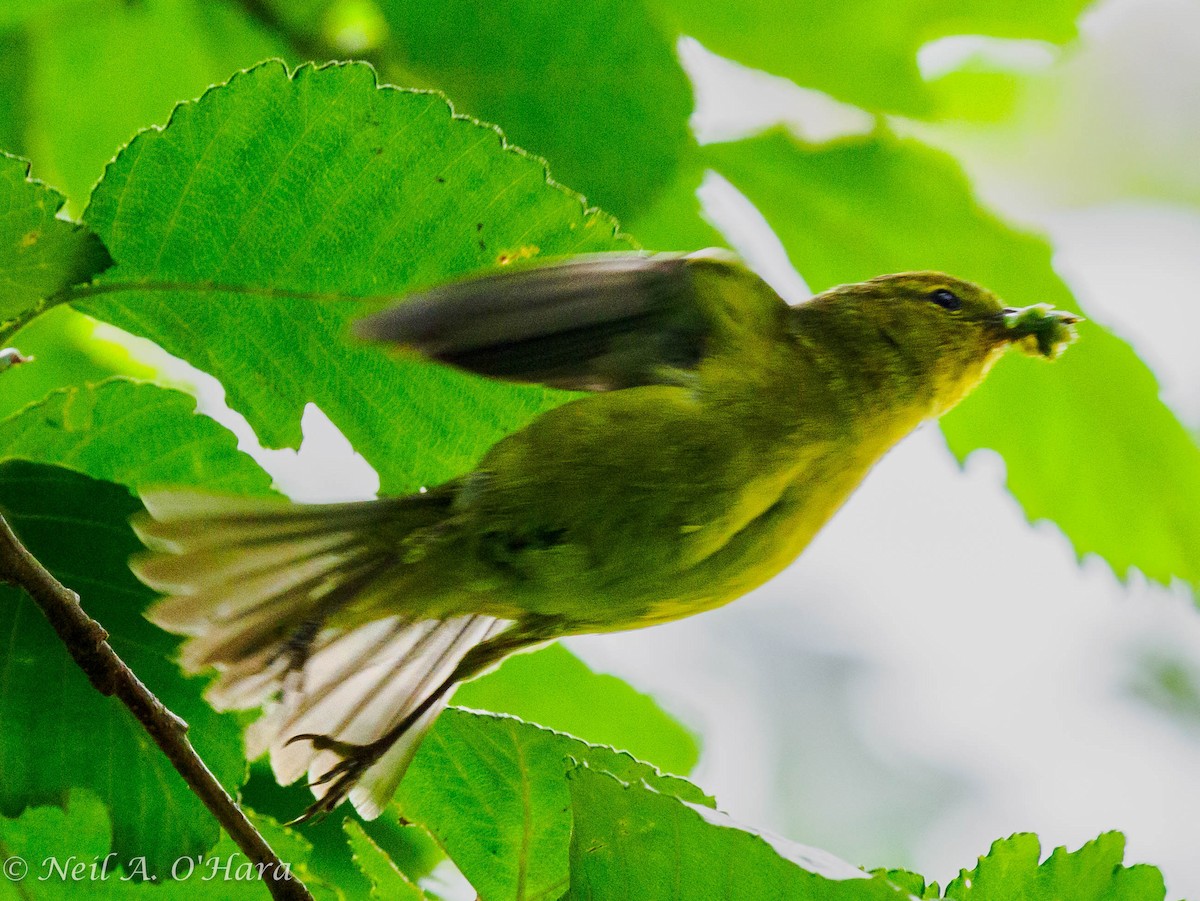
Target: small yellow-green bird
<point>720,430</point>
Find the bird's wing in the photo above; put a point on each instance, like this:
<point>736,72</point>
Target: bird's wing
<point>594,323</point>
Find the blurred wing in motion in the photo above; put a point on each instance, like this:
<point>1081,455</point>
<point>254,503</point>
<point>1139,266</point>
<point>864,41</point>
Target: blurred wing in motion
<point>592,323</point>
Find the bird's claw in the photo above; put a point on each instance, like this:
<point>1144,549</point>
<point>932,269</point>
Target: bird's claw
<point>341,777</point>
<point>329,743</point>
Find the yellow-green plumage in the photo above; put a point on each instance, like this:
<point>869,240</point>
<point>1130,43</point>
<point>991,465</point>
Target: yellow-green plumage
<point>721,430</point>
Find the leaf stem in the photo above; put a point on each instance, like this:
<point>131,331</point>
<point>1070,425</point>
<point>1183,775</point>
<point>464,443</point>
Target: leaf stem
<point>96,289</point>
<point>87,642</point>
<point>13,326</point>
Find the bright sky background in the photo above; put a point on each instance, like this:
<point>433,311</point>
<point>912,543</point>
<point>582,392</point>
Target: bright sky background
<point>935,673</point>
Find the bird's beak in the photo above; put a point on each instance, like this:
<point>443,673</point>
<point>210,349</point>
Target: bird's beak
<point>1039,329</point>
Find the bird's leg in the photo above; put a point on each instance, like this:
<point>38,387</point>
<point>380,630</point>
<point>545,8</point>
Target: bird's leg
<point>358,758</point>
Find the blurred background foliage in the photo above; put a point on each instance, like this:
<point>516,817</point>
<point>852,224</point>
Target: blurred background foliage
<point>827,143</point>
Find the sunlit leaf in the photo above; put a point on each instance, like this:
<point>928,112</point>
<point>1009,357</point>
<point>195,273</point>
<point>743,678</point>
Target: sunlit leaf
<point>630,841</point>
<point>1096,872</point>
<point>556,689</point>
<point>323,182</point>
<point>492,791</point>
<point>1093,873</point>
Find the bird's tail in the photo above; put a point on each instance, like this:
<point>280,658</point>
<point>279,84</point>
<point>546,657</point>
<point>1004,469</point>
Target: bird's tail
<point>257,586</point>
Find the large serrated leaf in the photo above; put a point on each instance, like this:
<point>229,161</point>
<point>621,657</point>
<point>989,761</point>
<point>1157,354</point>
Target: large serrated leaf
<point>322,182</point>
<point>492,791</point>
<point>58,731</point>
<point>629,841</point>
<point>1093,873</point>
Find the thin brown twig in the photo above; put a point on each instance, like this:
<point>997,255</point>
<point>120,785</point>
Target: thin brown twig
<point>87,641</point>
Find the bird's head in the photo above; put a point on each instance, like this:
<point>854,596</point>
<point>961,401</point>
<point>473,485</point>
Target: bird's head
<point>939,334</point>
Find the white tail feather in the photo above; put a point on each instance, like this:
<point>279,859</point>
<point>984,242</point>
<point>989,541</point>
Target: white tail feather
<point>400,675</point>
<point>252,582</point>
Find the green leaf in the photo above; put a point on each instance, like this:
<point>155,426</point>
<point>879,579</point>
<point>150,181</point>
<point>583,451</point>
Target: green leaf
<point>133,434</point>
<point>19,11</point>
<point>596,88</point>
<point>861,207</point>
<point>58,731</point>
<point>675,221</point>
<point>40,254</point>
<point>912,883</point>
<point>556,689</point>
<point>1093,873</point>
<point>629,841</point>
<point>76,840</point>
<point>13,65</point>
<point>66,352</point>
<point>99,72</point>
<point>289,845</point>
<point>492,791</point>
<point>387,881</point>
<point>323,182</point>
<point>866,52</point>
<point>409,847</point>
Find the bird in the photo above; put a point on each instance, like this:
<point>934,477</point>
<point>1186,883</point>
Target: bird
<point>713,431</point>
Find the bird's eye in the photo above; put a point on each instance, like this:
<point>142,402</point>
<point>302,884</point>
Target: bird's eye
<point>947,299</point>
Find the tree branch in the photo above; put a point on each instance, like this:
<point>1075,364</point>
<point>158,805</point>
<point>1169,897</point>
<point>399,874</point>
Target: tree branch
<point>88,644</point>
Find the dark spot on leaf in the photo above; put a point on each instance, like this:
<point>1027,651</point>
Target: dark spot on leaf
<point>440,180</point>
<point>478,226</point>
<point>482,246</point>
<point>377,151</point>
